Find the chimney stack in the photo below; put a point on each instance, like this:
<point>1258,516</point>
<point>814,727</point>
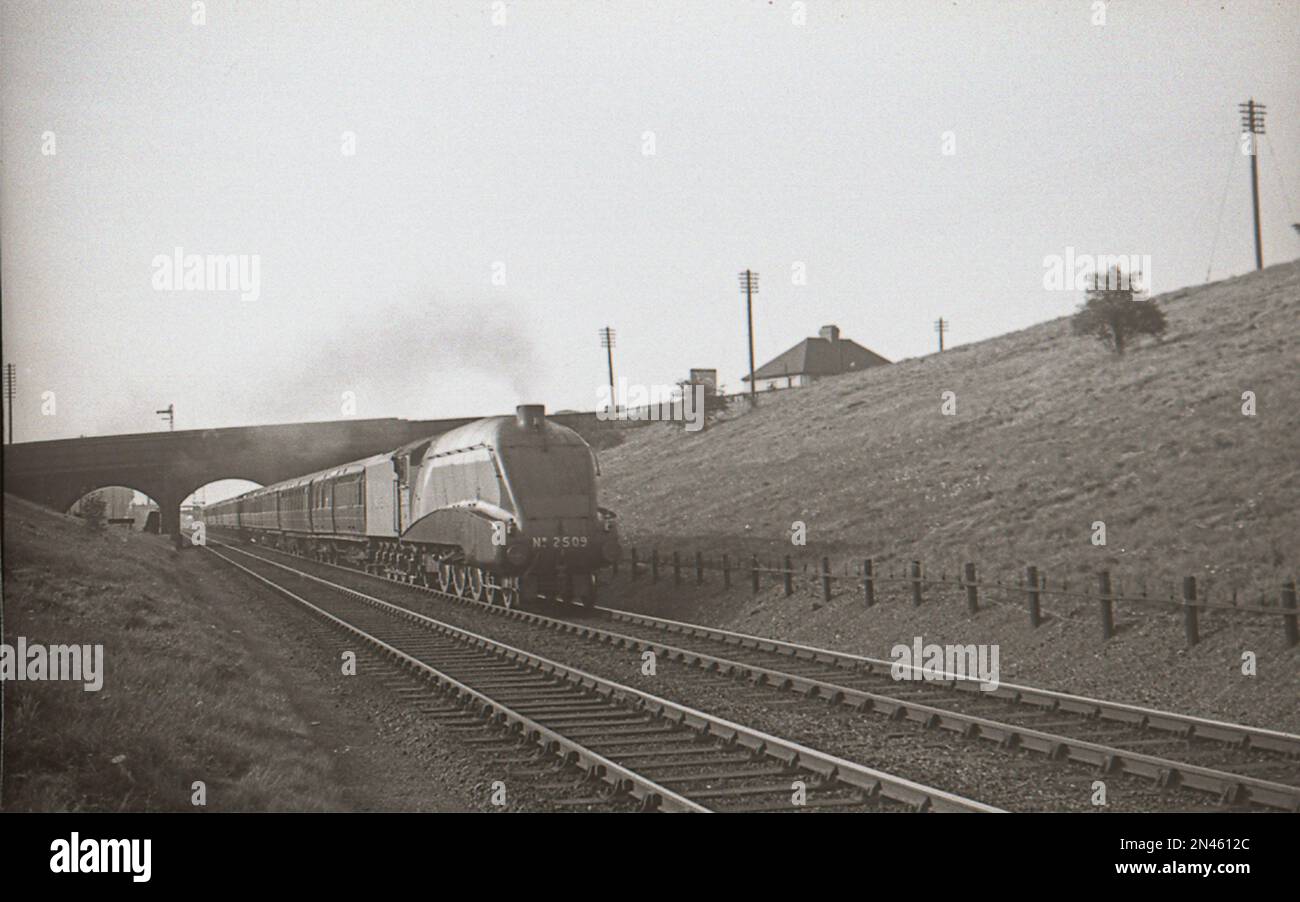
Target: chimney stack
<point>830,333</point>
<point>530,416</point>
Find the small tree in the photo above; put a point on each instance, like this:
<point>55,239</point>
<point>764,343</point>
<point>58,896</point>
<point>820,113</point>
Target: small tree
<point>92,511</point>
<point>1112,313</point>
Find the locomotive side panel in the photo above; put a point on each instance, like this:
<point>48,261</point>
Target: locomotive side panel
<point>465,528</point>
<point>448,479</point>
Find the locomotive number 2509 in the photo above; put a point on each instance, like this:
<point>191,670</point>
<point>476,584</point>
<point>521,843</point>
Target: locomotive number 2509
<point>559,541</point>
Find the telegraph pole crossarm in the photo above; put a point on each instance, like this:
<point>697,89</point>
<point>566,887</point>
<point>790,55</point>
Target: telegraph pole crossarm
<point>941,326</point>
<point>1252,123</point>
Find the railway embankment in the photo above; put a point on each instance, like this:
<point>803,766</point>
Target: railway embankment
<point>1183,449</point>
<point>205,680</point>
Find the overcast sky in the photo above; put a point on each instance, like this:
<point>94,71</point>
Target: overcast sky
<point>520,151</point>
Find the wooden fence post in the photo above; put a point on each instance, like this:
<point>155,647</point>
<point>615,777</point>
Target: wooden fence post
<point>1191,626</point>
<point>634,562</point>
<point>726,571</point>
<point>868,583</point>
<point>788,575</point>
<point>1035,612</point>
<point>826,579</point>
<point>1289,621</point>
<point>753,572</point>
<point>654,565</point>
<point>972,589</point>
<point>677,569</point>
<point>916,582</point>
<point>1107,604</point>
<point>699,568</point>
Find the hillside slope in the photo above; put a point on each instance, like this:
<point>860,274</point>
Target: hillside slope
<point>1052,433</point>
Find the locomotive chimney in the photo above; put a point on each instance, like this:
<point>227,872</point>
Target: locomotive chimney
<point>530,416</point>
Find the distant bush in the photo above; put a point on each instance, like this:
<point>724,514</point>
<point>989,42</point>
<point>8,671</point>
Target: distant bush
<point>92,511</point>
<point>1113,314</point>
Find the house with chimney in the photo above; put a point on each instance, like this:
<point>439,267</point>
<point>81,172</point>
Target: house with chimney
<point>826,355</point>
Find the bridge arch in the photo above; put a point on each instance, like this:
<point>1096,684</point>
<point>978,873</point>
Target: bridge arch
<point>122,506</point>
<point>221,488</point>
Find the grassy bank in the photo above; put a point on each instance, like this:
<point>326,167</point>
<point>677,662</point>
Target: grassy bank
<point>1051,434</point>
<point>185,697</point>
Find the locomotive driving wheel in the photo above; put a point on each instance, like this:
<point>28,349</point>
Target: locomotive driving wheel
<point>475,580</point>
<point>510,593</point>
<point>458,580</point>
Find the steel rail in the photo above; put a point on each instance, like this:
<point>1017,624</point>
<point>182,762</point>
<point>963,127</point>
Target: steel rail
<point>793,754</point>
<point>1183,724</point>
<point>649,793</point>
<point>1230,786</point>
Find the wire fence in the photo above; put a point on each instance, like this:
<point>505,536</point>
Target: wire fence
<point>1029,589</point>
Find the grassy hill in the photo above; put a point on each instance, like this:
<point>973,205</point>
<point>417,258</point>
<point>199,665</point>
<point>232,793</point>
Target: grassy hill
<point>1052,433</point>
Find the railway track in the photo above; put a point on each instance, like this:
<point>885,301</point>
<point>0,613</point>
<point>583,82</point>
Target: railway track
<point>1240,762</point>
<point>667,756</point>
<point>1242,765</point>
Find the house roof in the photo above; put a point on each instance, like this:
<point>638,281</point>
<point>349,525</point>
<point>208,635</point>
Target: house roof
<point>819,357</point>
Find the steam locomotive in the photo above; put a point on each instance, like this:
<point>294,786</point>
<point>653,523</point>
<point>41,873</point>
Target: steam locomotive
<point>501,510</point>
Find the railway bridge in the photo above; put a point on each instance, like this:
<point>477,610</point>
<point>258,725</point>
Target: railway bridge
<point>170,466</point>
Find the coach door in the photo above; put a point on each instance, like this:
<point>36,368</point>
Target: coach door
<point>401,492</point>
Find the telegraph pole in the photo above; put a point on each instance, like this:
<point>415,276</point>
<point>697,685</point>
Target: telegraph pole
<point>11,386</point>
<point>607,342</point>
<point>1252,123</point>
<point>941,326</point>
<point>749,285</point>
<point>168,413</point>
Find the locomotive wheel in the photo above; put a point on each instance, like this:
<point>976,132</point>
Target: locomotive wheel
<point>475,579</point>
<point>510,594</point>
<point>458,579</point>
